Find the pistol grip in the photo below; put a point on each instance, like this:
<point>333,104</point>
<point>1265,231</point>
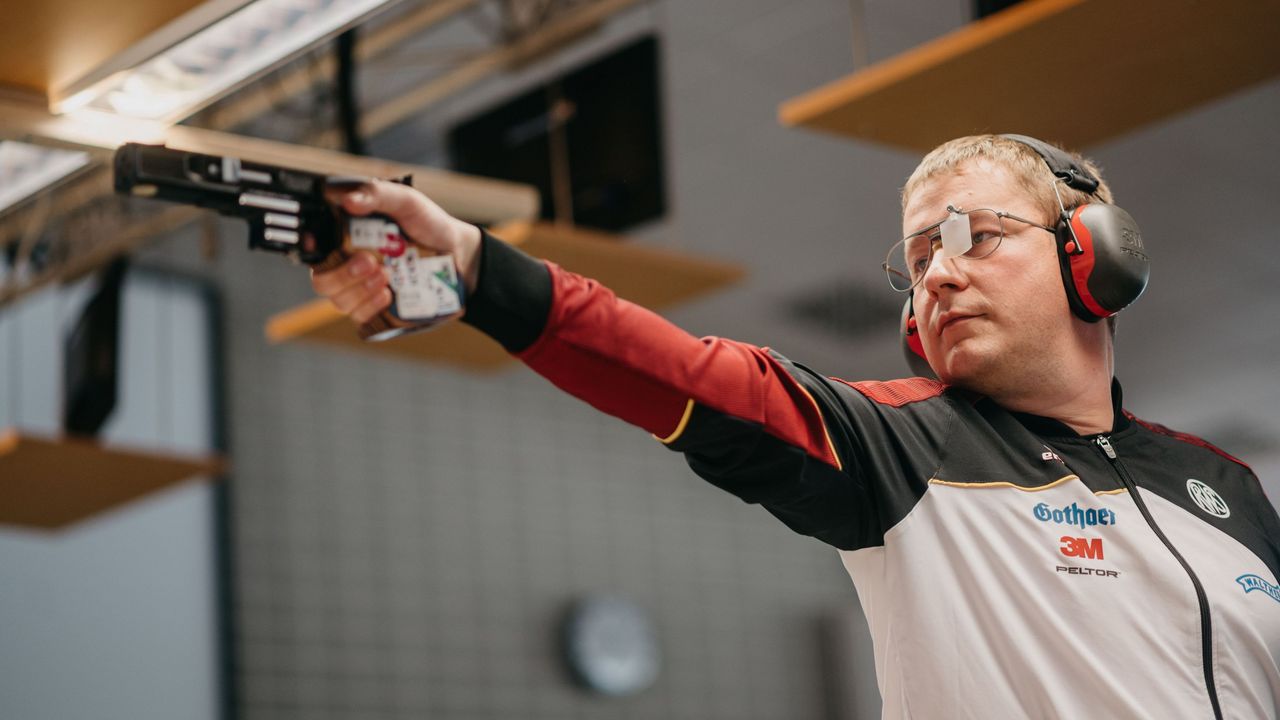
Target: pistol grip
<point>376,326</point>
<point>334,260</point>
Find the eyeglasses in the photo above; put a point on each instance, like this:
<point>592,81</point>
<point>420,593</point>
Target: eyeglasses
<point>970,234</point>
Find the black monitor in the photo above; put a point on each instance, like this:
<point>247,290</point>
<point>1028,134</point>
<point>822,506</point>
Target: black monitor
<point>91,354</point>
<point>983,8</point>
<point>611,115</point>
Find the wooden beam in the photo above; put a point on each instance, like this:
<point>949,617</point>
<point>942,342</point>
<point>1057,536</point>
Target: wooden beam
<point>93,184</point>
<point>472,198</point>
<point>246,105</point>
<point>475,199</point>
<point>573,24</point>
<point>1077,72</point>
<point>99,253</point>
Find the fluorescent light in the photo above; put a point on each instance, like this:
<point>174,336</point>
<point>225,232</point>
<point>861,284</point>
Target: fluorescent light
<point>26,169</point>
<point>211,62</point>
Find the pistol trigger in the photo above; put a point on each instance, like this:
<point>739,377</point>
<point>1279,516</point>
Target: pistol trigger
<point>257,233</point>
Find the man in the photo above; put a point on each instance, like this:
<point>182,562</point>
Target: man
<point>1022,546</point>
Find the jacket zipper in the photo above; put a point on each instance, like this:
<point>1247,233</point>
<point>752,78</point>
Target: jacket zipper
<point>1206,626</point>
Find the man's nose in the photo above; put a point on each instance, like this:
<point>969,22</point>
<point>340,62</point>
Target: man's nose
<point>944,272</point>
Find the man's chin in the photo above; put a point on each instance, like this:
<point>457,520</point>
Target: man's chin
<point>965,367</point>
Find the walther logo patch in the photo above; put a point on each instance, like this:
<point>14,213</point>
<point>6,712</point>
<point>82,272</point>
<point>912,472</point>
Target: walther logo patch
<point>1252,582</point>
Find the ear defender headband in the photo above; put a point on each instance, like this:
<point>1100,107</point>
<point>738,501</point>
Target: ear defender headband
<point>1100,252</point>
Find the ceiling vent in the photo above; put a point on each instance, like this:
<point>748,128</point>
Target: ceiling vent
<point>846,309</point>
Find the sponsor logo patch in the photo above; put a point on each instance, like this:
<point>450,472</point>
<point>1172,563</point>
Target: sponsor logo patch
<point>1207,499</point>
<point>1095,572</point>
<point>1049,455</point>
<point>1252,582</point>
<point>1075,515</point>
<point>1088,548</point>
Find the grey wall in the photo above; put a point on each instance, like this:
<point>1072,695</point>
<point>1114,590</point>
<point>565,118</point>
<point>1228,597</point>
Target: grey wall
<point>115,616</point>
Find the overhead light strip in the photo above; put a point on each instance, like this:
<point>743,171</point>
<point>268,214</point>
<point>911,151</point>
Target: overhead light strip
<point>213,61</point>
<point>26,169</point>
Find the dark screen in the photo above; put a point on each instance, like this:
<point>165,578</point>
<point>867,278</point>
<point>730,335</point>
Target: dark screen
<point>91,353</point>
<point>611,119</point>
<point>983,8</point>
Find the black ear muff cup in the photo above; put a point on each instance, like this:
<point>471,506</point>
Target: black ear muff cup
<point>1104,264</point>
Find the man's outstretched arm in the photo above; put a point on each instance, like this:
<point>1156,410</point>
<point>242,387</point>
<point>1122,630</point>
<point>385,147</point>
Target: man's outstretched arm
<point>615,355</point>
<point>742,414</point>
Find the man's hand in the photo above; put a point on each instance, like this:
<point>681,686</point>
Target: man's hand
<point>358,287</point>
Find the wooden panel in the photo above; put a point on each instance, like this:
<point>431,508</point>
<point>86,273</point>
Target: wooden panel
<point>477,199</point>
<point>52,482</point>
<point>652,277</point>
<point>45,44</point>
<point>1076,72</point>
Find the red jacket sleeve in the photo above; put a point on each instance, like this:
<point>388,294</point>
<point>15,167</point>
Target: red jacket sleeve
<point>637,366</point>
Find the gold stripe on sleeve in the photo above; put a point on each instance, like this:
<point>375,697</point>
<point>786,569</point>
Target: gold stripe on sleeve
<point>684,421</point>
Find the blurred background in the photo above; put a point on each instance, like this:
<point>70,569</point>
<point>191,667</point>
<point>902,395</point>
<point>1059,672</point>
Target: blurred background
<point>342,533</point>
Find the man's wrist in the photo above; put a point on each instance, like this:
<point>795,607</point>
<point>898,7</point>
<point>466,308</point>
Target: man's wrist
<point>466,254</point>
<point>512,295</point>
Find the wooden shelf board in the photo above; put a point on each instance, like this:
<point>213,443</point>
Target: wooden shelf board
<point>1076,72</point>
<point>47,44</point>
<point>652,277</point>
<point>473,198</point>
<point>50,482</point>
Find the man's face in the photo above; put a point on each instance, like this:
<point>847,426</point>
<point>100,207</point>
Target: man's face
<point>996,324</point>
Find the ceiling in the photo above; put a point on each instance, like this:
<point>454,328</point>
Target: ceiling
<point>50,44</point>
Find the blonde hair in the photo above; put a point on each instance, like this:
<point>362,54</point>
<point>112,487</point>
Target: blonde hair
<point>1025,164</point>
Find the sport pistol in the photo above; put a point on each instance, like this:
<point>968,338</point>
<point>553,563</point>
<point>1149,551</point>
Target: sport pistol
<point>288,214</point>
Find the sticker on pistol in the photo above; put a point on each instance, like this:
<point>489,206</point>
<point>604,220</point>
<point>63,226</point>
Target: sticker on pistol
<point>377,234</point>
<point>425,286</point>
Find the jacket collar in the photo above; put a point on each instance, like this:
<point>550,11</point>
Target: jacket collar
<point>1049,427</point>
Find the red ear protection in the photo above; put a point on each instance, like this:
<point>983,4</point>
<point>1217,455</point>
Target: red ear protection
<point>912,347</point>
<point>1104,265</point>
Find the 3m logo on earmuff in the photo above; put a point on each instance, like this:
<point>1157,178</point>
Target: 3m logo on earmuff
<point>1133,239</point>
<point>1104,265</point>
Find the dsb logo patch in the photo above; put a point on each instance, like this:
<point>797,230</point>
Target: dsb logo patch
<point>1077,547</point>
